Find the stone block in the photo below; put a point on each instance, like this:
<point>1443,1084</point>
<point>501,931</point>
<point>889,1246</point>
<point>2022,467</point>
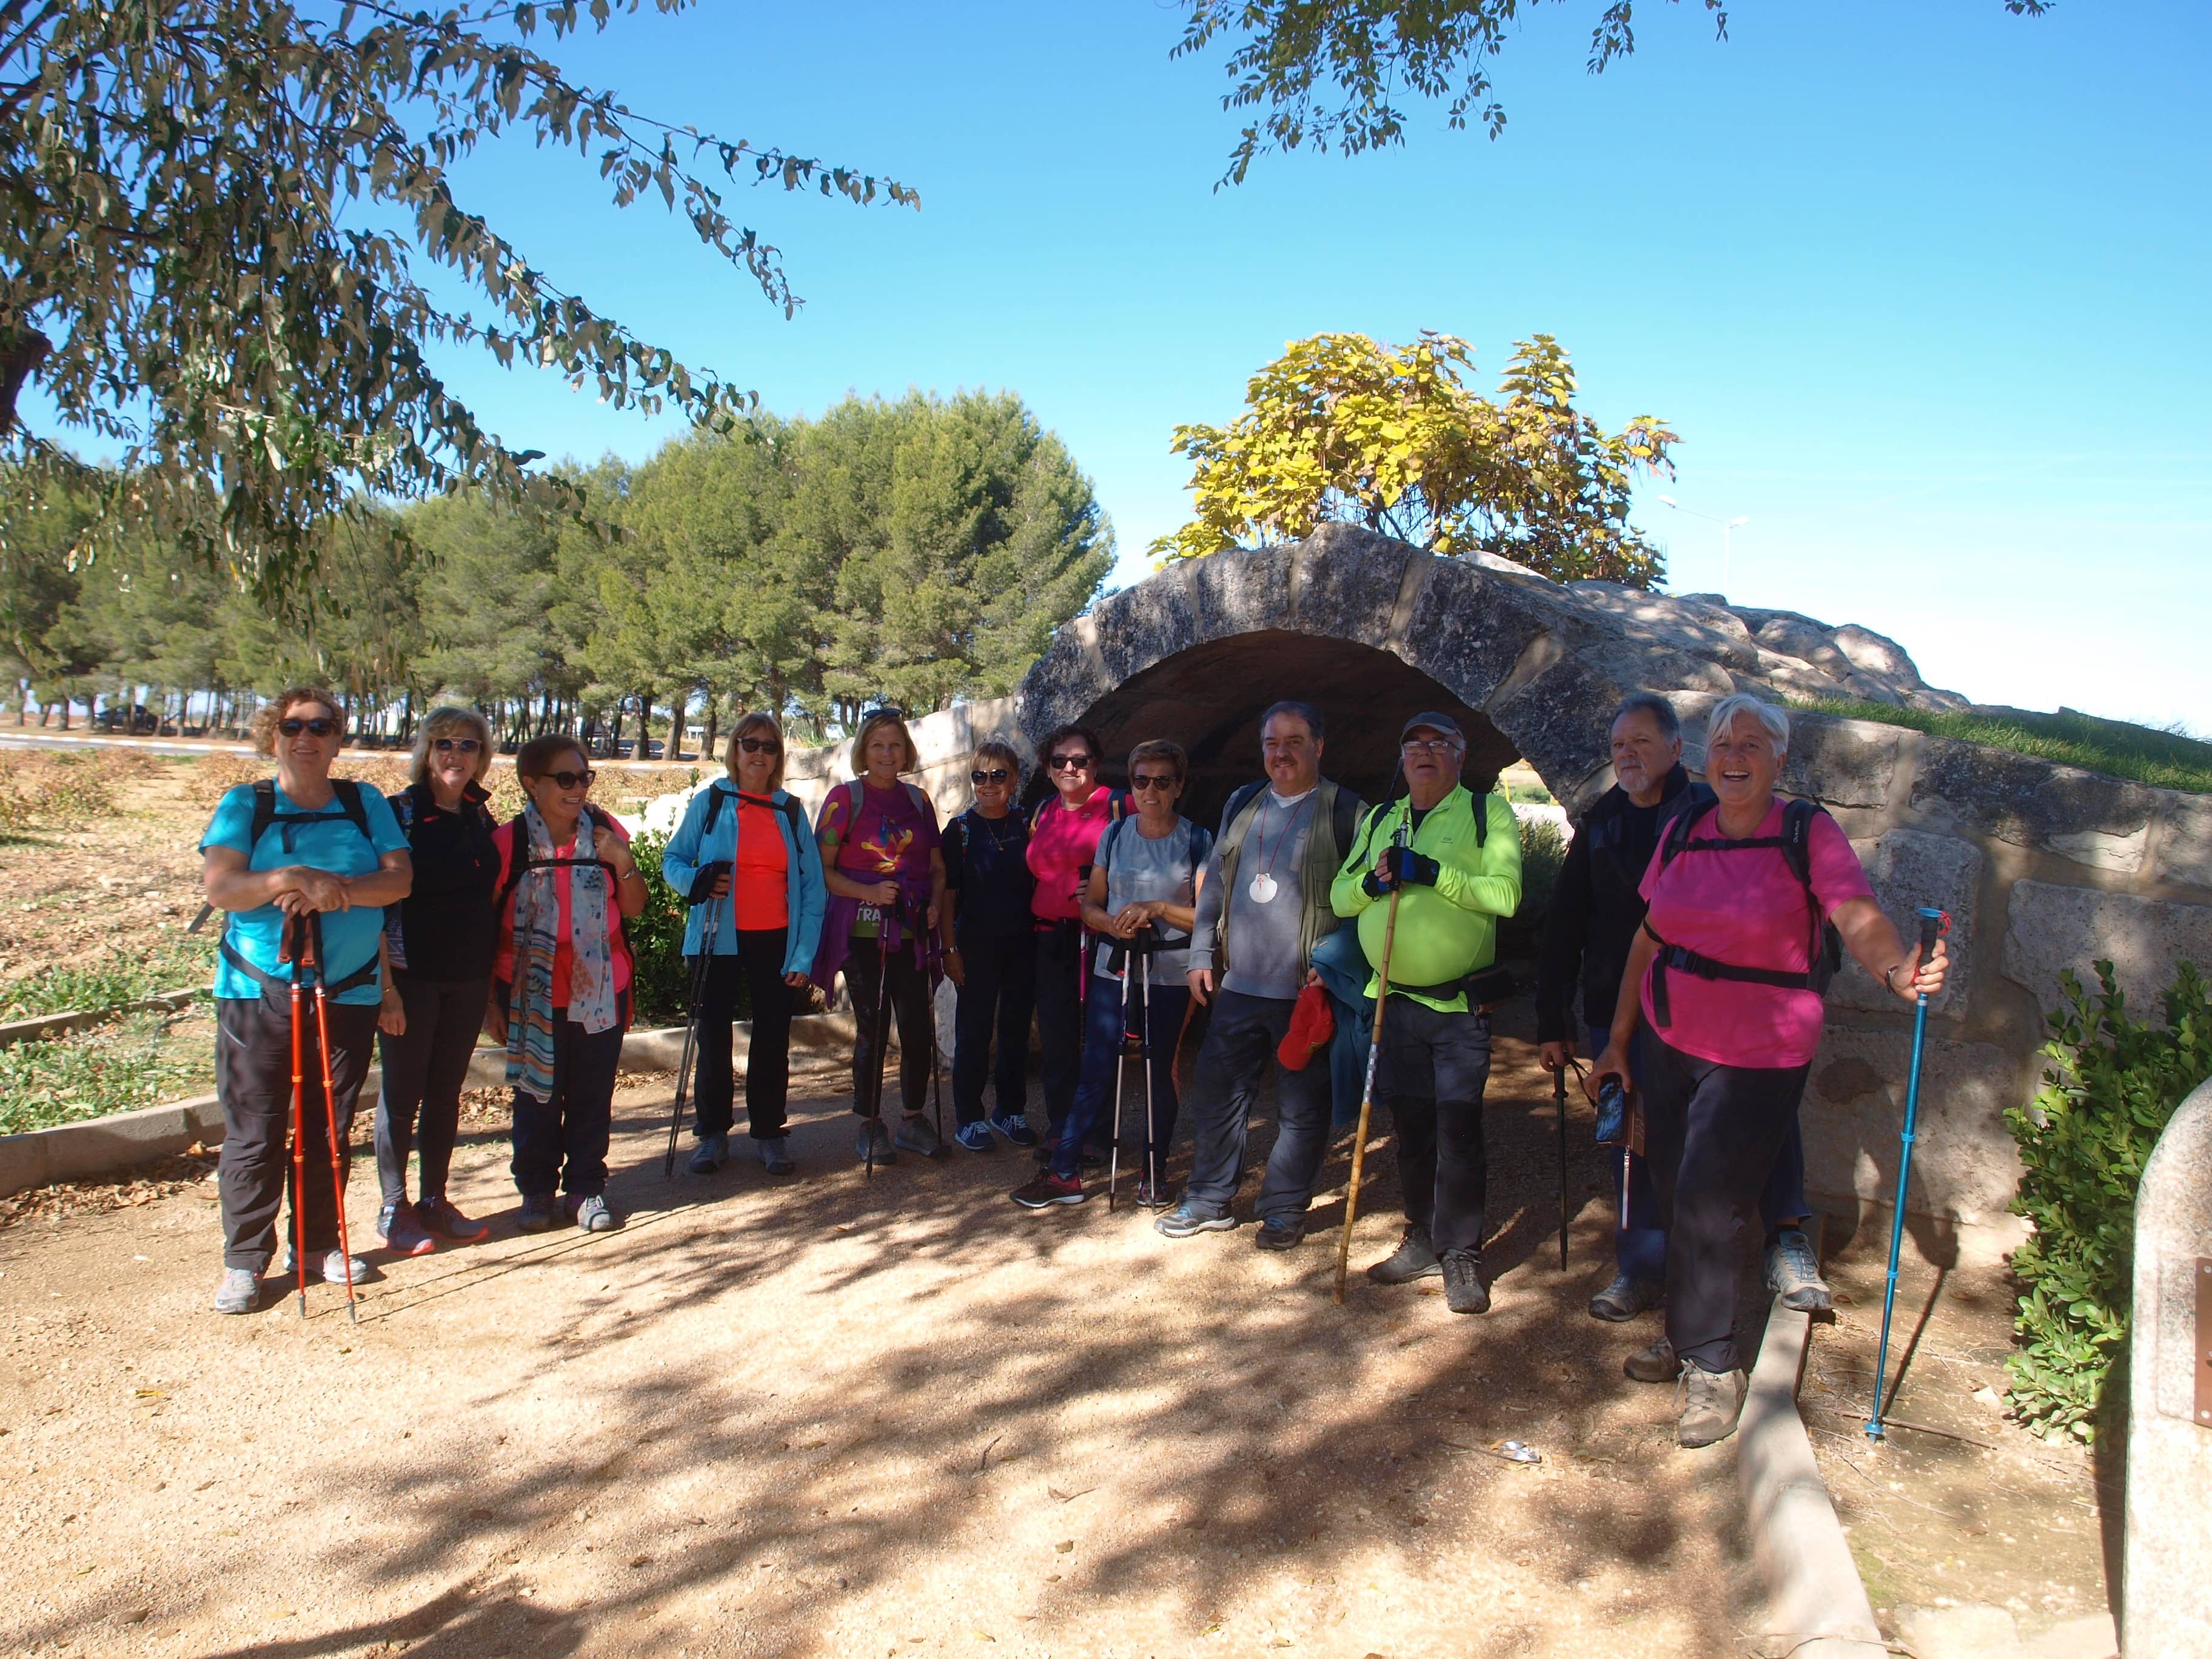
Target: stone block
<point>2100,821</point>
<point>2167,1607</point>
<point>2049,928</point>
<point>1965,1164</point>
<point>1975,1630</point>
<point>1909,868</point>
<point>1468,629</point>
<point>2185,840</point>
<point>1345,582</point>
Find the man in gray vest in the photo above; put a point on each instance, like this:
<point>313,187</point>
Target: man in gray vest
<point>1262,904</point>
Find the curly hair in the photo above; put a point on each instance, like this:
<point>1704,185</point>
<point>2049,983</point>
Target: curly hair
<point>450,721</point>
<point>267,717</point>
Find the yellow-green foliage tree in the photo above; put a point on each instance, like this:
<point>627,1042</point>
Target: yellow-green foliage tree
<point>1345,427</point>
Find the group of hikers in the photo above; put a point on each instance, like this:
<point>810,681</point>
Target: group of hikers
<point>1697,923</point>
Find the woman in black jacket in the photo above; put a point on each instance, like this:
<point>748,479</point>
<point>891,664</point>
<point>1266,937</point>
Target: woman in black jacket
<point>440,941</point>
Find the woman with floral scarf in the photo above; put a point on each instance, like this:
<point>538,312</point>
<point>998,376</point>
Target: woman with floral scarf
<point>561,989</point>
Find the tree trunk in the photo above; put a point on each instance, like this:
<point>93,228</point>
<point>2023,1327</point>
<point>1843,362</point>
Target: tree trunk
<point>713,725</point>
<point>680,706</point>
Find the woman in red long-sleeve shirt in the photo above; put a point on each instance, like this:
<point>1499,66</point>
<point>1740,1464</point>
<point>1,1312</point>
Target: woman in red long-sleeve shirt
<point>1063,840</point>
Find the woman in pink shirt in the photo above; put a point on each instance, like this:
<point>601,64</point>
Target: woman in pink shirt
<point>1063,841</point>
<point>1725,970</point>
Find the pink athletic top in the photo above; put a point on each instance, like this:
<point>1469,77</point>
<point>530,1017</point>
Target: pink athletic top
<point>1745,908</point>
<point>1061,844</point>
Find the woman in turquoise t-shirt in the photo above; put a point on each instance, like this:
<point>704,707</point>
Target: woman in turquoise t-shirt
<point>301,846</point>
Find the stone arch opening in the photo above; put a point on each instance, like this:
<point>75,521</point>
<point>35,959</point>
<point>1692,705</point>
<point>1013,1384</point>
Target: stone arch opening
<point>1209,698</point>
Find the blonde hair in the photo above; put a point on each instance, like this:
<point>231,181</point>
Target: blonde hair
<point>759,721</point>
<point>267,717</point>
<point>441,722</point>
<point>874,723</point>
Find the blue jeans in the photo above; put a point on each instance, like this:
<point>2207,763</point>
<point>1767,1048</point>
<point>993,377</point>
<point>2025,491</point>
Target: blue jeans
<point>1239,1051</point>
<point>1103,1051</point>
<point>1640,1245</point>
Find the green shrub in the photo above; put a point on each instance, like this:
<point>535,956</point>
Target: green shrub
<point>2110,1088</point>
<point>661,985</point>
<point>1543,850</point>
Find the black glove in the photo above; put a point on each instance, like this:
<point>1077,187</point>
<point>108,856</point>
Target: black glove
<point>1407,865</point>
<point>702,884</point>
<point>1375,885</point>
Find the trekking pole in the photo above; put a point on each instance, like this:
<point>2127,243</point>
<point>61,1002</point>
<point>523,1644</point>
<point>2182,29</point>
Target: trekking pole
<point>699,972</point>
<point>1933,923</point>
<point>936,977</point>
<point>1121,1080</point>
<point>1560,1100</point>
<point>1367,1088</point>
<point>298,1122</point>
<point>883,1040</point>
<point>331,1106</point>
<point>1153,1158</point>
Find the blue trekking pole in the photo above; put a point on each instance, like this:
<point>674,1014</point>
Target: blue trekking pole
<point>1932,924</point>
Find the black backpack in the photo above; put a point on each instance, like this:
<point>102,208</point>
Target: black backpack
<point>1825,945</point>
<point>347,793</point>
<point>594,819</point>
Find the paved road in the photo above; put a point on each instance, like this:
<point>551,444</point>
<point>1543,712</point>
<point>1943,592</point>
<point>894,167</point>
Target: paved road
<point>31,737</point>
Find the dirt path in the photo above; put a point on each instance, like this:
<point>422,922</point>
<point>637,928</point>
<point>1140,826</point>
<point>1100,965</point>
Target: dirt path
<point>830,1417</point>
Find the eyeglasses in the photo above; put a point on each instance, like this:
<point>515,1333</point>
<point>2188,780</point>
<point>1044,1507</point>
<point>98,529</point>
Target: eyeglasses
<point>760,746</point>
<point>1072,762</point>
<point>320,728</point>
<point>996,774</point>
<point>456,745</point>
<point>1429,746</point>
<point>570,779</point>
<point>1149,781</point>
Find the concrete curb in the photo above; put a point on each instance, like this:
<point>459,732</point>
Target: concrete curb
<point>39,1028</point>
<point>1815,1598</point>
<point>100,1145</point>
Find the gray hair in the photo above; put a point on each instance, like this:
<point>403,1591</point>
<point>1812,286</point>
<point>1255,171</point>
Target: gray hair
<point>447,722</point>
<point>1771,715</point>
<point>1649,702</point>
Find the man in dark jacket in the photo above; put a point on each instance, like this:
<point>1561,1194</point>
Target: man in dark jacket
<point>1596,911</point>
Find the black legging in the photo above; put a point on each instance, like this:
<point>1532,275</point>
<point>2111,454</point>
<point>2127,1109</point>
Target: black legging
<point>909,1005</point>
<point>758,965</point>
<point>425,1067</point>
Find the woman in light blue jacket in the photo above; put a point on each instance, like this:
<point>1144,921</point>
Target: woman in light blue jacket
<point>746,857</point>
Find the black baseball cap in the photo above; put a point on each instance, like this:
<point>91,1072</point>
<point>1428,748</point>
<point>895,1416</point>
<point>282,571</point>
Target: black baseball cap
<point>1435,722</point>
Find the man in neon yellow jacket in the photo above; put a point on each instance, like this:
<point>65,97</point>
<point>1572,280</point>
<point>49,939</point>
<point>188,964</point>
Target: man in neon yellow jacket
<point>1454,860</point>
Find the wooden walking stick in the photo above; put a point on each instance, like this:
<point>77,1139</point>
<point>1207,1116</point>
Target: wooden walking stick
<point>1367,1089</point>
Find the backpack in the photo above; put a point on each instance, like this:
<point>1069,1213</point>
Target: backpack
<point>1824,949</point>
<point>1375,815</point>
<point>1197,857</point>
<point>791,809</point>
<point>347,793</point>
<point>592,820</point>
<point>1484,988</point>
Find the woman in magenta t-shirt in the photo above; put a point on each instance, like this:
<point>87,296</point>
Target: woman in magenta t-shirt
<point>1728,1058</point>
<point>1063,841</point>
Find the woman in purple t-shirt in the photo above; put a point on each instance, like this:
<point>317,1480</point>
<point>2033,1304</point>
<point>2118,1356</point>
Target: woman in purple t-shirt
<point>884,866</point>
<point>1728,1058</point>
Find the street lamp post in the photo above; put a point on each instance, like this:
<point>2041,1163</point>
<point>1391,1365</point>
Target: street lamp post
<point>1728,535</point>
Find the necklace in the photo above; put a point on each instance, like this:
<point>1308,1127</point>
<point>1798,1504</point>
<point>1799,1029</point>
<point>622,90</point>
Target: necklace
<point>1263,887</point>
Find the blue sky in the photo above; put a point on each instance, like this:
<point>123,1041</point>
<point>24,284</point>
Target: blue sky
<point>1921,284</point>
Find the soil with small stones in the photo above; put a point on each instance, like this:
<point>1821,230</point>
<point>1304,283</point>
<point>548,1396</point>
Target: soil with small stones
<point>841,1416</point>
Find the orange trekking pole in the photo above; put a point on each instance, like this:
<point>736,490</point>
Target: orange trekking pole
<point>299,1128</point>
<point>330,1109</point>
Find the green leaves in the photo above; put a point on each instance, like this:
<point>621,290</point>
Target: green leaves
<point>2111,1086</point>
<point>1342,427</point>
<point>212,206</point>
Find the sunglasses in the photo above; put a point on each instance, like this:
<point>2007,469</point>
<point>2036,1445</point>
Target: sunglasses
<point>456,745</point>
<point>996,774</point>
<point>569,780</point>
<point>1072,762</point>
<point>760,746</point>
<point>894,714</point>
<point>1429,746</point>
<point>1149,781</point>
<point>319,728</point>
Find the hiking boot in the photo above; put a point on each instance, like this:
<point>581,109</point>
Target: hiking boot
<point>1049,1188</point>
<point>1655,1364</point>
<point>709,1155</point>
<point>975,1137</point>
<point>1626,1297</point>
<point>873,1128</point>
<point>775,1156</point>
<point>1090,1158</point>
<point>594,1216</point>
<point>441,1220</point>
<point>237,1292</point>
<point>1014,1127</point>
<point>1710,1402</point>
<point>334,1267</point>
<point>402,1234</point>
<point>917,1134</point>
<point>1793,1272</point>
<point>1186,1219</point>
<point>538,1211</point>
<point>1464,1291</point>
<point>1415,1258</point>
<point>1153,1196</point>
<point>1280,1232</point>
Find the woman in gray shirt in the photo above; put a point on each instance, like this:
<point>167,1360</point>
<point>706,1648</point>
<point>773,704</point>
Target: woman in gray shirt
<point>1141,903</point>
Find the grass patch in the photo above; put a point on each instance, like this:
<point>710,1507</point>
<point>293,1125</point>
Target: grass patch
<point>118,1068</point>
<point>2165,760</point>
<point>181,962</point>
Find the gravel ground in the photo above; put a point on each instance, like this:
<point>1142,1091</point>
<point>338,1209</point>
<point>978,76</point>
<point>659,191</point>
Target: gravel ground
<point>831,1416</point>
